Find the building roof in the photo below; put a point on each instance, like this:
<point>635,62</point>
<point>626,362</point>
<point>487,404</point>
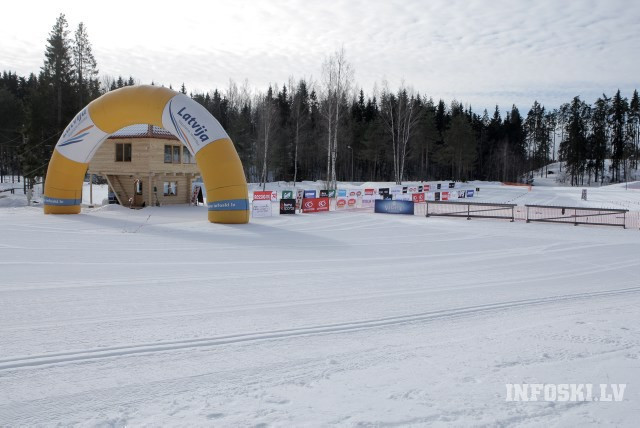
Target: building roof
<point>143,131</point>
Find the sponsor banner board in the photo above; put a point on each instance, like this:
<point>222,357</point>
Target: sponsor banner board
<point>402,197</point>
<point>369,191</point>
<point>288,206</point>
<point>396,190</point>
<point>394,207</point>
<point>444,196</point>
<point>351,202</point>
<point>342,192</point>
<point>452,185</point>
<point>470,193</point>
<point>405,189</point>
<point>266,195</point>
<point>367,201</point>
<point>341,202</point>
<point>383,191</point>
<point>413,189</point>
<point>436,196</point>
<point>331,193</point>
<point>324,194</point>
<point>261,208</point>
<point>287,194</point>
<point>418,198</point>
<point>299,197</point>
<point>430,196</point>
<point>308,194</point>
<point>461,194</point>
<point>314,205</point>
<point>427,187</point>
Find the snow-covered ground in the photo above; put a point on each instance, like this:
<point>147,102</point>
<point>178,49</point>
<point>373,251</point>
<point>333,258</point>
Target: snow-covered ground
<point>156,317</point>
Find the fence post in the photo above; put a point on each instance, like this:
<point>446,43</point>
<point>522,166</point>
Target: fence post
<point>427,209</point>
<point>513,216</point>
<point>527,213</point>
<point>575,217</point>
<point>468,211</point>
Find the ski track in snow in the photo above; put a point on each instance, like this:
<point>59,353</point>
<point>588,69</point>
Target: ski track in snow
<point>347,319</point>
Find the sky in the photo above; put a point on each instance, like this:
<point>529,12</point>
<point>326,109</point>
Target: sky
<point>481,53</point>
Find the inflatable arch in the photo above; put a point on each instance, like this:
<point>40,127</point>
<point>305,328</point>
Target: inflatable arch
<point>216,157</point>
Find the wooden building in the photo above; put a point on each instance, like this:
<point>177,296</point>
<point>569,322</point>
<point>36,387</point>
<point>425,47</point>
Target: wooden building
<point>145,165</point>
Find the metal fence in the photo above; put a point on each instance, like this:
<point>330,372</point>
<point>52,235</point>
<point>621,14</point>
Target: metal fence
<point>577,215</point>
<point>469,210</point>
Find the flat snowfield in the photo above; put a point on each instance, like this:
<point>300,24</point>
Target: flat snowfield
<point>158,318</point>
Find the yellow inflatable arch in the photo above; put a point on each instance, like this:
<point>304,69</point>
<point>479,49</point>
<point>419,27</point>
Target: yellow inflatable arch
<point>216,157</point>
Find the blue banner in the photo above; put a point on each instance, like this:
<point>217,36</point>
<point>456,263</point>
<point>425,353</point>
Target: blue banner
<point>393,207</point>
<point>309,194</point>
<point>229,205</point>
<point>342,192</point>
<point>469,193</point>
<point>61,202</point>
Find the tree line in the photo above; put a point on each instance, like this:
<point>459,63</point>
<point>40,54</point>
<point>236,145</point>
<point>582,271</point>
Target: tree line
<point>331,130</point>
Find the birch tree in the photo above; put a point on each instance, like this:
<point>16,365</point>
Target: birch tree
<point>400,114</point>
<point>337,78</point>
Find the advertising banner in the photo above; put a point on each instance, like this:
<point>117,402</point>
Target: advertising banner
<point>299,197</point>
<point>452,185</point>
<point>261,208</point>
<point>383,191</point>
<point>402,197</point>
<point>288,206</point>
<point>438,186</point>
<point>413,189</point>
<point>420,189</point>
<point>470,193</point>
<point>436,196</point>
<point>405,189</point>
<point>358,193</point>
<point>461,194</point>
<point>444,196</point>
<point>324,194</point>
<point>314,205</point>
<point>394,207</point>
<point>341,202</point>
<point>387,197</point>
<point>287,194</point>
<point>418,198</point>
<point>427,187</point>
<point>351,202</point>
<point>266,195</point>
<point>353,192</point>
<point>430,196</point>
<point>342,192</point>
<point>367,201</point>
<point>396,190</point>
<point>331,193</point>
<point>369,191</point>
<point>309,194</point>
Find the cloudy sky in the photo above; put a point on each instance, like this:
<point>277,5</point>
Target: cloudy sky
<point>479,52</point>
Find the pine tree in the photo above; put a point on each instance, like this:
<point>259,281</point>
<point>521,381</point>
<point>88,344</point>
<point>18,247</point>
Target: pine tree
<point>58,70</point>
<point>85,67</point>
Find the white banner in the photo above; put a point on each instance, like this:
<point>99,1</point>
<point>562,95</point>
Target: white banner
<point>368,201</point>
<point>261,209</point>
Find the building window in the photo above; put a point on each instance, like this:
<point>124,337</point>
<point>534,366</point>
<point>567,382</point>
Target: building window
<point>170,188</point>
<point>171,154</point>
<point>123,152</point>
<point>138,187</point>
<point>186,155</point>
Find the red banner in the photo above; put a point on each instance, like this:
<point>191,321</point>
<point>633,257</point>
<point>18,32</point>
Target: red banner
<point>352,202</point>
<point>369,191</point>
<point>267,195</point>
<point>314,205</point>
<point>444,196</point>
<point>427,187</point>
<point>418,198</point>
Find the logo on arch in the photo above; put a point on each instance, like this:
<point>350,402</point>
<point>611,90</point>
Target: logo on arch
<point>191,123</point>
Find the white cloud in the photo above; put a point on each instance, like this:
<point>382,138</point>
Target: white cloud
<point>475,51</point>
